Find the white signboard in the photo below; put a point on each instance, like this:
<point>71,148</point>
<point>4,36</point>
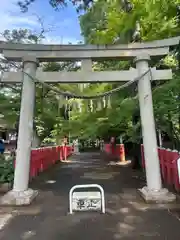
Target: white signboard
<point>86,200</point>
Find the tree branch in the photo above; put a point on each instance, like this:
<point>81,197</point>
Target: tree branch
<point>25,4</point>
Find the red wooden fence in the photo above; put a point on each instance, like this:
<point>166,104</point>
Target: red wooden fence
<point>168,160</point>
<point>118,151</point>
<point>43,158</point>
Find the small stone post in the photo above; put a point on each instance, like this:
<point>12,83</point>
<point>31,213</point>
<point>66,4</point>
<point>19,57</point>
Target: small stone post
<point>21,195</point>
<point>154,190</point>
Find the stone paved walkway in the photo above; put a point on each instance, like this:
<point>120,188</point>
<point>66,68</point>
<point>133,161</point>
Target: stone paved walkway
<point>127,217</point>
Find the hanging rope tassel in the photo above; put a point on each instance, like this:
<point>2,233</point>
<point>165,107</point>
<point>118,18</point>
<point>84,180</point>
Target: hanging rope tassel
<point>99,105</point>
<point>87,109</point>
<point>66,107</point>
<point>91,104</point>
<point>74,105</point>
<point>104,102</point>
<point>108,102</point>
<point>80,107</point>
<point>69,109</point>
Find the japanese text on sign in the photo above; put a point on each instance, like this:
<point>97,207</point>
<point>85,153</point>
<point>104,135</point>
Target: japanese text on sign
<point>87,201</point>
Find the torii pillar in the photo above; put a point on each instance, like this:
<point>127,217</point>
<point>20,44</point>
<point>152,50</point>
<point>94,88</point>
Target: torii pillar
<point>21,194</point>
<point>153,192</point>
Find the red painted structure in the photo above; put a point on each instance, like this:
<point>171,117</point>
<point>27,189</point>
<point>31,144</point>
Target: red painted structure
<point>168,160</point>
<point>44,158</point>
<point>122,153</point>
<point>168,163</point>
<point>117,151</point>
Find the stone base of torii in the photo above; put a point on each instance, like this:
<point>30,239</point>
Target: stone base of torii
<point>157,196</point>
<point>19,198</point>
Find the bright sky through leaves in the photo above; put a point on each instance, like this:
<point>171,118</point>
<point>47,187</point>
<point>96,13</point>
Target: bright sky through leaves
<point>64,23</point>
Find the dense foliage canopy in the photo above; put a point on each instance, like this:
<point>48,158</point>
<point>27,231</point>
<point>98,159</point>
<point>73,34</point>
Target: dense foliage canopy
<point>106,22</point>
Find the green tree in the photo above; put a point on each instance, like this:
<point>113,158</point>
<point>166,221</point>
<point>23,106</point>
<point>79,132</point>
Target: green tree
<point>10,94</point>
<point>107,23</point>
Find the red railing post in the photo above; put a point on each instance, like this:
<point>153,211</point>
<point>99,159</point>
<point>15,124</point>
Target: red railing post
<point>175,172</point>
<point>122,153</point>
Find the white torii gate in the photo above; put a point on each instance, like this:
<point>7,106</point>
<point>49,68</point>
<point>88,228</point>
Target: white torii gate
<point>31,55</point>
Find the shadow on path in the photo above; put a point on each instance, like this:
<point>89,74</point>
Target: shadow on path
<point>127,216</point>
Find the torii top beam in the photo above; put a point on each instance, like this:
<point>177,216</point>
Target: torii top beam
<point>43,53</point>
